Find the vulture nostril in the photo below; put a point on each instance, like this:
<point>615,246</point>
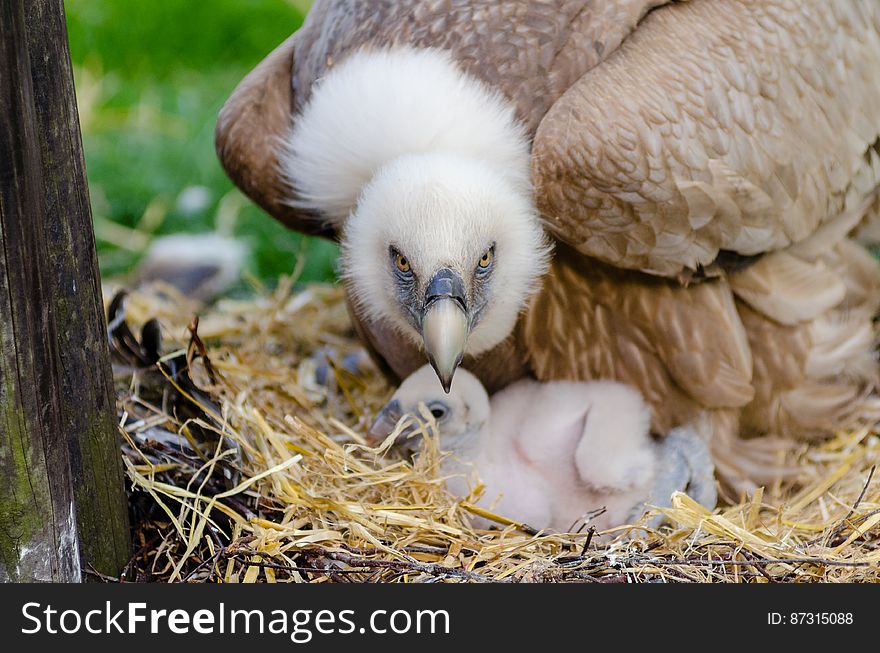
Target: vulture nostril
<point>445,284</point>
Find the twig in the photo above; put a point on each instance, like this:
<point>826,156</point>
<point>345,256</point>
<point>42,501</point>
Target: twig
<point>94,572</point>
<point>430,569</point>
<point>757,561</point>
<point>289,568</point>
<point>588,540</point>
<point>844,523</point>
<point>759,567</point>
<point>196,345</point>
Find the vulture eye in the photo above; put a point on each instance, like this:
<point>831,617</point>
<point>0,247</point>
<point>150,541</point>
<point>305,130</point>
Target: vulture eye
<point>486,260</point>
<point>402,263</point>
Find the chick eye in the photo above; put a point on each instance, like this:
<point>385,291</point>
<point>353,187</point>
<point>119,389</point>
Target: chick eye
<point>487,258</point>
<point>402,263</point>
<point>438,411</point>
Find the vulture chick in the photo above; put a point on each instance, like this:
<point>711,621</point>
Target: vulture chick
<point>554,455</point>
<point>697,168</point>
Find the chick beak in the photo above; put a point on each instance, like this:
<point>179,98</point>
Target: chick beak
<point>445,324</point>
<point>384,423</point>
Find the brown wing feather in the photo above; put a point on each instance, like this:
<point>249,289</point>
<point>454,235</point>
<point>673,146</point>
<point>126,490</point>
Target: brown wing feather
<point>248,131</point>
<point>685,348</point>
<point>810,374</point>
<point>719,124</point>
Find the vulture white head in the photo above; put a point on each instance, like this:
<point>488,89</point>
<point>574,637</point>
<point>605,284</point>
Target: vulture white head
<point>425,171</point>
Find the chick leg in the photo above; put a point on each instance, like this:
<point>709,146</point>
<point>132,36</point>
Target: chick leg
<point>686,466</point>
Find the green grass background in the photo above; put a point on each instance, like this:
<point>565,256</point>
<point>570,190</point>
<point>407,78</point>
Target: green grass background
<point>151,76</point>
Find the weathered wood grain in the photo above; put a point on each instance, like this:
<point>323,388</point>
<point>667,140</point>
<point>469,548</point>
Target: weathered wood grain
<point>61,487</point>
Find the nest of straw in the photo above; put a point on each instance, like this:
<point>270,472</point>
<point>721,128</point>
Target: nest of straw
<point>247,463</point>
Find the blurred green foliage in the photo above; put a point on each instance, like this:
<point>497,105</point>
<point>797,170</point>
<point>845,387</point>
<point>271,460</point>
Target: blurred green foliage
<point>151,77</point>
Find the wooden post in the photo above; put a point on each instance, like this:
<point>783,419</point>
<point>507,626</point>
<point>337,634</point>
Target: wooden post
<point>62,498</point>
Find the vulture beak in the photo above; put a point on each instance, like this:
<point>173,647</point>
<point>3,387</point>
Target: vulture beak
<point>445,324</point>
<point>384,423</point>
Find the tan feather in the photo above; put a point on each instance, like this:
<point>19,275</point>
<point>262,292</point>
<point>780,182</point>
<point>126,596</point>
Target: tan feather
<point>840,345</point>
<point>820,407</point>
<point>827,360</point>
<point>788,289</point>
<point>861,274</point>
<point>592,321</point>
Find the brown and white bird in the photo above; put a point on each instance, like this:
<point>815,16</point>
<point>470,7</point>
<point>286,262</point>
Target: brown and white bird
<point>555,455</point>
<point>697,167</point>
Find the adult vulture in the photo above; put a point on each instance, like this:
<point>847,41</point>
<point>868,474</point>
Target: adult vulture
<point>663,193</point>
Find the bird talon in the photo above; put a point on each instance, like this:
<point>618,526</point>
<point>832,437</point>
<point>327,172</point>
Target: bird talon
<point>685,465</point>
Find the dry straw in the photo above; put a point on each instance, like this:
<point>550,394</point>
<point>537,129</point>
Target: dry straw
<point>262,475</point>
